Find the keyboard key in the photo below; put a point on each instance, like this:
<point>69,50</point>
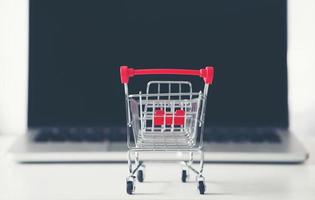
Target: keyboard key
<point>43,137</point>
<point>58,137</point>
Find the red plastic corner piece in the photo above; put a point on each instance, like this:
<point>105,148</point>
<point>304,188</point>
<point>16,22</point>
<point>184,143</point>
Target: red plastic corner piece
<point>207,74</point>
<point>125,73</point>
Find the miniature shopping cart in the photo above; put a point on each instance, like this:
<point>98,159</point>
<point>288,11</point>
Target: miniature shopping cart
<point>168,117</point>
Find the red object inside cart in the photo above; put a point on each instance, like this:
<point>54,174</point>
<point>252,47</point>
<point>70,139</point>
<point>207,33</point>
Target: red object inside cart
<point>163,118</point>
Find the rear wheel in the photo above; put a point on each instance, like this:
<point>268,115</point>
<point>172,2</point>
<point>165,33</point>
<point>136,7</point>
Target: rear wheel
<point>140,176</point>
<point>184,175</point>
<point>201,187</point>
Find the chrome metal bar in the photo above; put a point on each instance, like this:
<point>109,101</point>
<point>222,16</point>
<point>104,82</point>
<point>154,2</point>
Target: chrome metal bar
<point>190,167</point>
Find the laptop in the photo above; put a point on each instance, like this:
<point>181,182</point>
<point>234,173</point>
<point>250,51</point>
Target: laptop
<point>76,109</point>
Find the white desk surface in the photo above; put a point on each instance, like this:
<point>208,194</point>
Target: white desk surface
<point>162,181</point>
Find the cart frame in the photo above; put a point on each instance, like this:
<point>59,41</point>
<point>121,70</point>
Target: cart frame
<point>193,107</point>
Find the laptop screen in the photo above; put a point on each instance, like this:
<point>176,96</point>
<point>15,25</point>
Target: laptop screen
<point>77,46</point>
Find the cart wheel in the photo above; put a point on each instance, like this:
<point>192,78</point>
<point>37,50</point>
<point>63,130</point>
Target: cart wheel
<point>130,187</point>
<point>140,176</point>
<point>201,187</point>
<point>184,176</point>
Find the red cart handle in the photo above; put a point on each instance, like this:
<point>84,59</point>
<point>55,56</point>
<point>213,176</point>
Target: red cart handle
<point>206,73</point>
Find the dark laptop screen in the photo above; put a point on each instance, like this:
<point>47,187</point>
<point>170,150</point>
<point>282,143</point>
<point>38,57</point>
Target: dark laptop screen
<point>77,46</point>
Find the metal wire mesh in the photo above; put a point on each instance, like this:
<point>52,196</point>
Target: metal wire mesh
<point>166,117</point>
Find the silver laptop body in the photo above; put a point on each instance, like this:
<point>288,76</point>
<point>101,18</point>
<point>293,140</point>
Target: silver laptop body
<point>74,56</point>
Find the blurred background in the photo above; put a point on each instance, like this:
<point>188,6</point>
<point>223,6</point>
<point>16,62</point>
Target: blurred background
<point>14,66</point>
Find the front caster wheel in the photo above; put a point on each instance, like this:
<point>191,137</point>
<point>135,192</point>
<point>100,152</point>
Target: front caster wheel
<point>140,176</point>
<point>130,187</point>
<point>201,187</point>
<point>184,175</point>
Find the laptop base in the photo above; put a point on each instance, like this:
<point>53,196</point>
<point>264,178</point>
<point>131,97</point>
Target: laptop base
<point>25,150</point>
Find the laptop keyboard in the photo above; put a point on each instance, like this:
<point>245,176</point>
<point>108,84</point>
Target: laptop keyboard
<point>80,135</point>
<point>119,134</point>
<point>242,136</point>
